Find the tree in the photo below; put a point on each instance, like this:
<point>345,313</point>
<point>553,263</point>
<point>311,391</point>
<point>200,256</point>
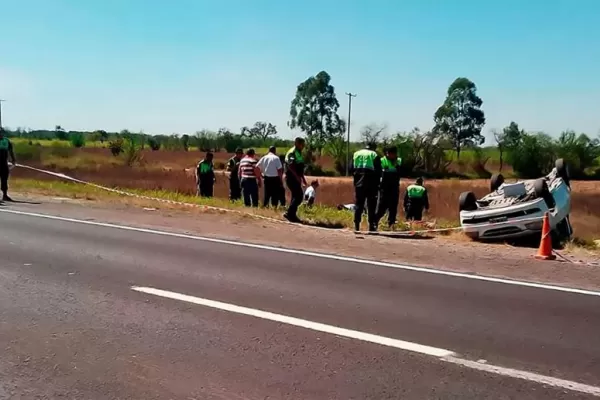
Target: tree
<point>533,155</point>
<point>336,148</point>
<point>314,110</point>
<point>154,143</point>
<point>100,135</point>
<point>60,133</point>
<point>206,141</point>
<point>185,142</point>
<point>261,130</point>
<point>230,141</point>
<point>373,134</point>
<point>460,117</point>
<point>580,151</point>
<point>506,140</point>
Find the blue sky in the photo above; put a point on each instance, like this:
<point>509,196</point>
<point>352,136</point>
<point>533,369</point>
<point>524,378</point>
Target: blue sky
<point>184,65</point>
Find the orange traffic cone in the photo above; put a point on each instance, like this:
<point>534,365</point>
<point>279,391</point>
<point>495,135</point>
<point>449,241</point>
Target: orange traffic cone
<point>545,250</point>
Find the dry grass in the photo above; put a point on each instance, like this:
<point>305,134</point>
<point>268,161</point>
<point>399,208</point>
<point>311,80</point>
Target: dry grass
<point>443,193</point>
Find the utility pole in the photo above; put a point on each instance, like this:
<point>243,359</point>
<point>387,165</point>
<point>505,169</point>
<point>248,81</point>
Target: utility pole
<point>1,101</point>
<point>350,96</point>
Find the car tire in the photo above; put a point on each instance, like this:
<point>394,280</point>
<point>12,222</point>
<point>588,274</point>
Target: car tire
<point>540,187</point>
<point>496,181</point>
<point>562,170</point>
<point>467,201</point>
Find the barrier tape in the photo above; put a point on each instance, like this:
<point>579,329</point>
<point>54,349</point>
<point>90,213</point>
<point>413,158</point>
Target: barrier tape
<point>404,233</point>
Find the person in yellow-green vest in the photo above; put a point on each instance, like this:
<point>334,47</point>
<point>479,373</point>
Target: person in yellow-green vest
<point>6,151</point>
<point>415,200</point>
<point>205,176</point>
<point>294,178</point>
<point>389,187</point>
<point>366,170</point>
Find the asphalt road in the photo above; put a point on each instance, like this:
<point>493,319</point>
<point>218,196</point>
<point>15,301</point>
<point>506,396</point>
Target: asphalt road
<point>71,326</point>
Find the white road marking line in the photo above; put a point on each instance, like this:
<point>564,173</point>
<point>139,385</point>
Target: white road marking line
<point>284,319</point>
<point>441,354</point>
<point>314,254</point>
<point>528,376</point>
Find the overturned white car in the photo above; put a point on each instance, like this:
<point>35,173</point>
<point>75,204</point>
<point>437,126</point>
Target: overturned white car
<point>514,210</point>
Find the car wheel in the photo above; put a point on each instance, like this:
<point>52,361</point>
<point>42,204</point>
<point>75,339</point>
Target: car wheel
<point>467,201</point>
<point>562,170</point>
<point>496,181</point>
<point>541,190</point>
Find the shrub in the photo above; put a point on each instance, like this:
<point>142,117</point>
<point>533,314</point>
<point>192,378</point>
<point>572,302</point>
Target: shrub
<point>132,152</point>
<point>77,139</point>
<point>116,146</point>
<point>317,170</point>
<point>154,143</point>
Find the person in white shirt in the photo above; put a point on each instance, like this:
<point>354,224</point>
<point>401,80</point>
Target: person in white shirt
<point>311,193</point>
<point>272,172</point>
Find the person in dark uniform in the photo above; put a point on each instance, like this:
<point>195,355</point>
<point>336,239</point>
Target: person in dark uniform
<point>6,151</point>
<point>415,200</point>
<point>205,176</point>
<point>366,169</point>
<point>294,178</point>
<point>235,191</point>
<point>389,187</point>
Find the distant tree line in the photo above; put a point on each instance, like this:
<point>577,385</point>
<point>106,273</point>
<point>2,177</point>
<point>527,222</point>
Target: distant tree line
<point>457,128</point>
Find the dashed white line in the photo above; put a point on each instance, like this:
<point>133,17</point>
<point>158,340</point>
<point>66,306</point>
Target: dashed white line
<point>528,376</point>
<point>441,354</point>
<point>313,254</point>
<point>284,319</point>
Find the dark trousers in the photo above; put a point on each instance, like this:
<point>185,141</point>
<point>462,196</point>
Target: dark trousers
<point>4,172</point>
<point>235,192</point>
<point>388,202</point>
<point>273,187</point>
<point>250,192</point>
<point>365,194</point>
<point>206,188</point>
<point>414,213</point>
<point>295,188</point>
<point>282,199</point>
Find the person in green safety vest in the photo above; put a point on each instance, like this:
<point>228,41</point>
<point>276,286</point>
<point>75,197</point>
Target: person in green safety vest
<point>366,170</point>
<point>205,176</point>
<point>415,200</point>
<point>6,151</point>
<point>294,178</point>
<point>389,187</point>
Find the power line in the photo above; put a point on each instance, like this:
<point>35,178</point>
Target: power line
<point>350,96</point>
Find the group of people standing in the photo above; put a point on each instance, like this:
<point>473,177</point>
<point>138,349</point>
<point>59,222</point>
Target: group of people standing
<point>376,183</point>
<point>247,175</point>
